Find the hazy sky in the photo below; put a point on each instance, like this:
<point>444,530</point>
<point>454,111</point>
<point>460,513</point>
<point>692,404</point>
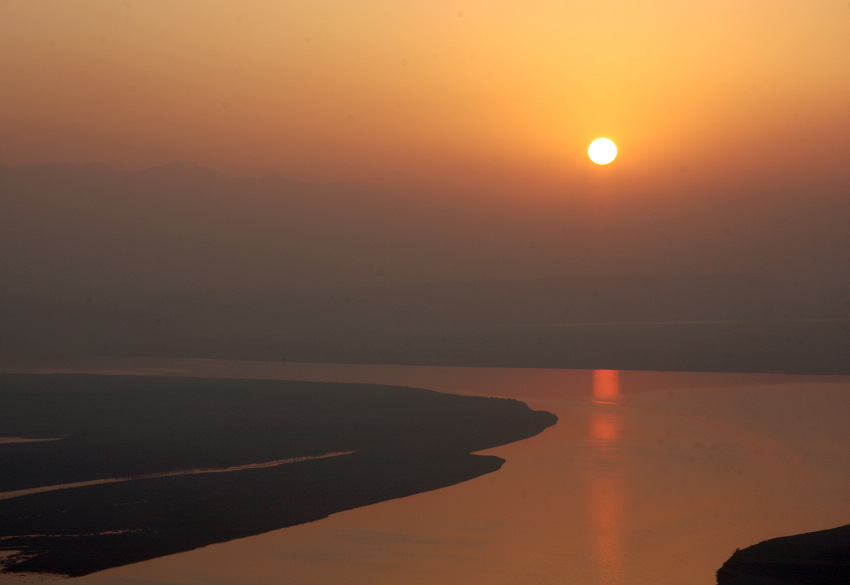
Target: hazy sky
<point>399,94</point>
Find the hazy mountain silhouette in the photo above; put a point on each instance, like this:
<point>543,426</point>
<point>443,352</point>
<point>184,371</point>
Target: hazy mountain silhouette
<point>182,260</point>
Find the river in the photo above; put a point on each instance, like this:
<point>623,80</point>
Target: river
<point>649,478</point>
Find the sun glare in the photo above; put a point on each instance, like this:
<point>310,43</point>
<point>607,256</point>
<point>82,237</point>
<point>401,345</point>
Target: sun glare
<point>602,151</point>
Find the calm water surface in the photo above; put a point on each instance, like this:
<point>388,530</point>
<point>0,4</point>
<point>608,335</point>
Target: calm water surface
<point>648,479</point>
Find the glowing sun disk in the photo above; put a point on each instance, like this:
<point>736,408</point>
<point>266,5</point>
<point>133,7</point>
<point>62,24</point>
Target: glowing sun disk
<point>602,151</point>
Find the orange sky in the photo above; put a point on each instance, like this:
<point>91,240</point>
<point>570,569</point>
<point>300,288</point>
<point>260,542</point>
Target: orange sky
<point>398,93</point>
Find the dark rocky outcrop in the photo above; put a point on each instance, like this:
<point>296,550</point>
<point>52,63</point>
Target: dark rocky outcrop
<point>814,558</point>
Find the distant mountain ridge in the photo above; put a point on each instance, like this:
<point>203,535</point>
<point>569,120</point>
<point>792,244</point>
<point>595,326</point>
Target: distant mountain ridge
<point>180,259</point>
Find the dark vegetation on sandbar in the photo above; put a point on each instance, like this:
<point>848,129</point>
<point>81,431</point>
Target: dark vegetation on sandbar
<point>406,441</point>
<point>814,558</point>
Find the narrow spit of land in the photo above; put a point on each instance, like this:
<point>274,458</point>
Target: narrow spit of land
<point>388,442</point>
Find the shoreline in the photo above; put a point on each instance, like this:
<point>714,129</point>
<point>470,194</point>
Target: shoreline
<point>398,442</point>
<point>813,558</point>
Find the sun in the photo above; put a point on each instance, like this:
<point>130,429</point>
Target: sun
<point>602,151</point>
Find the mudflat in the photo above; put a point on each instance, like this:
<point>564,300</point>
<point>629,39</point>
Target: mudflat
<point>193,461</point>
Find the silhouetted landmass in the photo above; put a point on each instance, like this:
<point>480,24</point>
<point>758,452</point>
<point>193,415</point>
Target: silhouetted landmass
<point>405,441</point>
<point>815,558</point>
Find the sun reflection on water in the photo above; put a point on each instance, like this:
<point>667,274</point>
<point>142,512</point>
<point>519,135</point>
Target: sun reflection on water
<point>606,494</point>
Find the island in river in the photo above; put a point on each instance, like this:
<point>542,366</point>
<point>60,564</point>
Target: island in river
<point>141,466</point>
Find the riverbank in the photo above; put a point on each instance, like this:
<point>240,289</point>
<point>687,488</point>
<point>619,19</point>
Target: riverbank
<point>814,558</point>
<point>393,441</point>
